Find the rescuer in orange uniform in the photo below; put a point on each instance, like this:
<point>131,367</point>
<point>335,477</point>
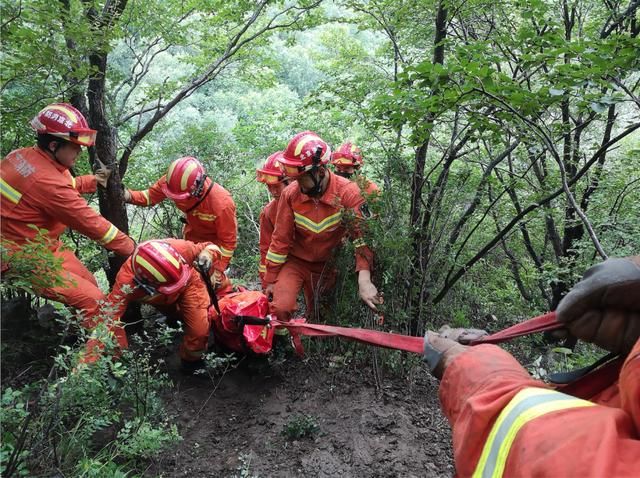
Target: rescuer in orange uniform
<point>272,175</point>
<point>311,222</point>
<point>38,190</point>
<point>209,209</point>
<point>505,423</point>
<point>161,273</point>
<point>348,162</point>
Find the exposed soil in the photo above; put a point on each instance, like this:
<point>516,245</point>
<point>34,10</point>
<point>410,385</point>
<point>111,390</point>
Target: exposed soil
<point>237,425</point>
<point>351,419</point>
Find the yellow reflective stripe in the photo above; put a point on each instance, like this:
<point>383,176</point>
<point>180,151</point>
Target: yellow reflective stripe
<point>203,216</point>
<point>170,171</point>
<point>276,258</point>
<point>359,243</point>
<point>72,116</point>
<point>302,141</point>
<point>110,235</point>
<point>73,182</point>
<point>159,277</point>
<point>262,268</point>
<point>226,252</point>
<point>165,253</point>
<point>317,227</point>
<point>145,193</point>
<point>527,405</point>
<point>185,176</point>
<point>9,192</point>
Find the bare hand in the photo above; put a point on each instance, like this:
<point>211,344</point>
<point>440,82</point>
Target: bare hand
<point>369,294</point>
<point>127,195</point>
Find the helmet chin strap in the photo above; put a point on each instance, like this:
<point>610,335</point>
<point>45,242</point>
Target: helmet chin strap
<point>313,172</point>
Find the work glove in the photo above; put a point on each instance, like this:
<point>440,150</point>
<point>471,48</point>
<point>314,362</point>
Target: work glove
<point>461,335</point>
<point>604,307</point>
<point>126,194</point>
<point>208,257</point>
<point>102,174</point>
<point>439,352</point>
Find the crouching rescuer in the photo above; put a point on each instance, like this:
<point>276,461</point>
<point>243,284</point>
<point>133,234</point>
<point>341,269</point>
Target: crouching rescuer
<point>164,273</point>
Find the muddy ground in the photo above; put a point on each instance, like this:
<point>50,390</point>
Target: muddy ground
<point>335,413</point>
<point>247,422</point>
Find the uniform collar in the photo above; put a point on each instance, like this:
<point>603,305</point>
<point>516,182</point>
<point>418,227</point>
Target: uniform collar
<point>55,163</point>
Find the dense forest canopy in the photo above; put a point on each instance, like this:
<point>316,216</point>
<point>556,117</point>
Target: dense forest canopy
<point>504,134</point>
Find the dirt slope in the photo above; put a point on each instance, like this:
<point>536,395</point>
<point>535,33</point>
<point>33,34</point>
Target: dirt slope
<point>239,428</point>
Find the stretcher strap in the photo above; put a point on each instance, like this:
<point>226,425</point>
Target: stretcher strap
<point>373,337</point>
<point>528,327</point>
<point>409,343</point>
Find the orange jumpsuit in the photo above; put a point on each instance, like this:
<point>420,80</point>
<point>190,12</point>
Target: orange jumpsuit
<point>307,233</point>
<point>36,190</point>
<point>586,440</point>
<point>191,302</point>
<point>213,220</point>
<point>267,224</point>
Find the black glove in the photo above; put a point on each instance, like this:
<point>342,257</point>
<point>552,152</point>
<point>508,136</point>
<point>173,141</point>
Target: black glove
<point>604,307</point>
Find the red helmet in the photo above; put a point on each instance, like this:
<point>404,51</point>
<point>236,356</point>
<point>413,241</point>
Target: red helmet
<point>348,154</point>
<point>157,264</point>
<point>185,178</point>
<point>64,121</point>
<point>271,171</point>
<point>305,151</point>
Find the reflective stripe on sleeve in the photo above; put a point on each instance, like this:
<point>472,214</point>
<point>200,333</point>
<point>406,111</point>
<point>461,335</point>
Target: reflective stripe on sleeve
<point>110,235</point>
<point>145,193</point>
<point>262,268</point>
<point>9,192</point>
<point>276,258</point>
<point>528,404</point>
<point>226,252</point>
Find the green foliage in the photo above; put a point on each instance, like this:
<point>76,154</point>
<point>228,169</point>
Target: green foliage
<point>102,419</point>
<point>300,426</point>
<point>31,266</point>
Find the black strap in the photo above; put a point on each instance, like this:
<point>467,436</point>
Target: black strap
<point>251,320</point>
<point>201,199</point>
<point>212,293</point>
<point>568,377</point>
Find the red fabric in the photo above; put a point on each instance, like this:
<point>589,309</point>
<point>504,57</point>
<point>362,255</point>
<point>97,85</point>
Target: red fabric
<point>80,290</point>
<point>585,442</point>
<point>86,184</point>
<point>191,303</point>
<point>267,224</point>
<point>214,220</point>
<point>292,240</point>
<point>50,201</point>
<point>365,336</point>
<point>314,278</point>
<point>528,327</point>
<point>250,338</point>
